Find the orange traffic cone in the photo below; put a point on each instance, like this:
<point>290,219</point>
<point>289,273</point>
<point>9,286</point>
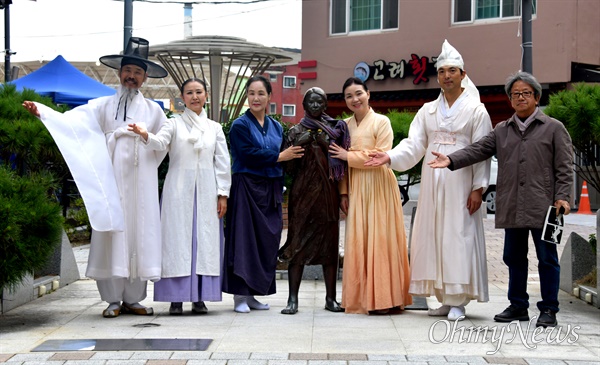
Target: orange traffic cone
<point>584,201</point>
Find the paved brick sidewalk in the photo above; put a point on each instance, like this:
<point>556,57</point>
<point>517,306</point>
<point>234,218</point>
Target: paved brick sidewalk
<point>311,337</point>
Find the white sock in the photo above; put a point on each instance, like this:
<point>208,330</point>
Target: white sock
<point>135,305</point>
<point>441,311</point>
<point>240,304</point>
<point>457,313</point>
<point>255,304</point>
<point>113,306</point>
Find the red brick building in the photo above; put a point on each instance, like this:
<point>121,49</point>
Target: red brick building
<point>286,99</point>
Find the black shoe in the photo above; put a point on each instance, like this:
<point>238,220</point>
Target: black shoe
<point>512,313</point>
<point>176,309</point>
<point>547,318</point>
<point>199,308</point>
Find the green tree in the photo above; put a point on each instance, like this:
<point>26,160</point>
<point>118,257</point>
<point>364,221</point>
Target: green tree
<point>30,225</point>
<point>579,111</point>
<point>31,167</point>
<point>26,145</point>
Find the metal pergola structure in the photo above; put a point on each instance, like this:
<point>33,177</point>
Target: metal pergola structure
<point>224,63</point>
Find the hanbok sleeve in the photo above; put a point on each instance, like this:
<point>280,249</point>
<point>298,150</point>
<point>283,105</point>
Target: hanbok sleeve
<point>82,143</point>
<point>222,164</point>
<point>412,149</point>
<point>161,140</point>
<point>384,138</point>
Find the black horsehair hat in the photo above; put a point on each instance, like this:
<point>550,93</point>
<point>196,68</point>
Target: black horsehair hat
<point>136,53</point>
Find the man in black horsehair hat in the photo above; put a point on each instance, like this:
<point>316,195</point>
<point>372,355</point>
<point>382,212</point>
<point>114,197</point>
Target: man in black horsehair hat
<point>117,178</point>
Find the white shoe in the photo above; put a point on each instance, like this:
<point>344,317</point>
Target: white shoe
<point>441,311</point>
<point>457,313</point>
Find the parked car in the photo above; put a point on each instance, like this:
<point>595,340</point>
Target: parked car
<point>489,197</point>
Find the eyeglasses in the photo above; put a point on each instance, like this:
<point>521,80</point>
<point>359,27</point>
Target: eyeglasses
<point>517,94</point>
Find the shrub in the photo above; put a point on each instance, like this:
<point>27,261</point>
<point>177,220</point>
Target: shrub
<point>77,224</point>
<point>30,168</point>
<point>30,225</point>
<point>579,111</point>
<point>400,125</point>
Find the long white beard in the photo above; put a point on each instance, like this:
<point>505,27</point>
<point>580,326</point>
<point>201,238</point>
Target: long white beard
<point>130,93</point>
<point>126,96</point>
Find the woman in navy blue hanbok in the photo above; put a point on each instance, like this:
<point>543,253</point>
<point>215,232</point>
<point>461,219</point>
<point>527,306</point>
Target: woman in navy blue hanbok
<point>254,217</point>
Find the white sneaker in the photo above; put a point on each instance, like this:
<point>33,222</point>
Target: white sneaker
<point>457,313</point>
<point>441,311</point>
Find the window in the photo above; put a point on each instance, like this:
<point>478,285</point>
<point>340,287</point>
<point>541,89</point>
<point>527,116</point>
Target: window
<point>272,78</point>
<point>289,110</point>
<point>363,15</point>
<point>272,108</point>
<point>467,11</point>
<point>289,82</point>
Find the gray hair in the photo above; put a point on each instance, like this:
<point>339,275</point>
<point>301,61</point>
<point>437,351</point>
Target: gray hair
<point>527,78</point>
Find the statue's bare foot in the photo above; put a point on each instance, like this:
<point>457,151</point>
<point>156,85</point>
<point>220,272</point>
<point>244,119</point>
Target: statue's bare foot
<point>292,307</point>
<point>333,306</point>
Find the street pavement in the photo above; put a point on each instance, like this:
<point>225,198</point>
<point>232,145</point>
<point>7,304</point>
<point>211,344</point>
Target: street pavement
<point>313,336</point>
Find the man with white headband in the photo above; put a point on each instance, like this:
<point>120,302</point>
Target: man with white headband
<point>117,179</point>
<point>447,256</point>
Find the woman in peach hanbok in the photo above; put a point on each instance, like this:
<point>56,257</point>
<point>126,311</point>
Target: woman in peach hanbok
<point>376,274</point>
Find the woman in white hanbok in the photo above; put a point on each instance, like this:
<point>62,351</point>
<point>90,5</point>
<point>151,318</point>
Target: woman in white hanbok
<point>193,202</point>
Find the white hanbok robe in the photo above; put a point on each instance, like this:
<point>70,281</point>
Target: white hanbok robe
<point>447,254</point>
<point>202,167</point>
<point>131,248</point>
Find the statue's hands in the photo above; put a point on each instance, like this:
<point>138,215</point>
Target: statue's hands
<point>31,108</point>
<point>291,153</point>
<point>138,129</point>
<point>377,159</point>
<point>440,161</point>
<point>338,152</point>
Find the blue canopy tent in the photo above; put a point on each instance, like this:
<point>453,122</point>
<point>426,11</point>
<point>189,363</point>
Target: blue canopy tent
<point>64,83</point>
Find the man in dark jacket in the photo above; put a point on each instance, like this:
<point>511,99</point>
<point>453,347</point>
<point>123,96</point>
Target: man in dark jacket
<point>535,170</point>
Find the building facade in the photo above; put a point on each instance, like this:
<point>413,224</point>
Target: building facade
<point>286,98</point>
<point>393,44</point>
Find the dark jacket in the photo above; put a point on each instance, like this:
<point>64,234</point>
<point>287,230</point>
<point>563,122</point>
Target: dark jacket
<point>535,168</point>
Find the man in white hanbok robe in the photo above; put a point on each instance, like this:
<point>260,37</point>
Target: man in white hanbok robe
<point>447,256</point>
<point>118,181</point>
